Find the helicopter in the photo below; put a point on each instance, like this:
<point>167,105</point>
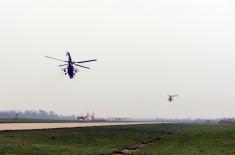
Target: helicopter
<point>70,70</point>
<point>171,97</point>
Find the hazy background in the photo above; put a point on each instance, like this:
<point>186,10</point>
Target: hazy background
<point>145,50</point>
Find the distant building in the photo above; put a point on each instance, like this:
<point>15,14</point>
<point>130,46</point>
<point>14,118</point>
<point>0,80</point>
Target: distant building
<point>88,117</point>
<point>82,118</point>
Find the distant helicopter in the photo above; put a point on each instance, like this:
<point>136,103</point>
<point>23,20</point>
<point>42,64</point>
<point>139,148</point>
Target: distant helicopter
<point>70,70</point>
<point>171,97</point>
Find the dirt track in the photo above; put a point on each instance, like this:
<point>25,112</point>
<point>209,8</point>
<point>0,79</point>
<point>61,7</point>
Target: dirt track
<point>31,126</point>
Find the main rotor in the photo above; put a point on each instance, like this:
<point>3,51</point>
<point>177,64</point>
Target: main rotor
<point>70,69</point>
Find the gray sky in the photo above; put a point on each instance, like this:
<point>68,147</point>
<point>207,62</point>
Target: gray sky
<point>145,50</point>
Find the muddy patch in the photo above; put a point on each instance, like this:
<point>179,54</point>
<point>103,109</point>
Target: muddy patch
<point>137,147</point>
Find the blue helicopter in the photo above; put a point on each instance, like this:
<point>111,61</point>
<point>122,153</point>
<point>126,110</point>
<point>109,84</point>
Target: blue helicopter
<point>70,70</point>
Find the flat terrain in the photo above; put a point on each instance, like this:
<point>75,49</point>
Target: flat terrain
<point>79,141</point>
<point>31,126</point>
<point>178,140</point>
<point>196,140</point>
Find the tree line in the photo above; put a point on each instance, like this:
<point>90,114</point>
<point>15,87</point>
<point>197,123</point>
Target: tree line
<point>33,114</point>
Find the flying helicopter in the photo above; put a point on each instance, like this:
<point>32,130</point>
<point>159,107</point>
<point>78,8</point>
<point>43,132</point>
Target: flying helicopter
<point>171,97</point>
<point>69,69</point>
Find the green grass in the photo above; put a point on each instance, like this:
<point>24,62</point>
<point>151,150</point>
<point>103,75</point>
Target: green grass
<point>197,140</point>
<point>192,140</point>
<point>79,141</point>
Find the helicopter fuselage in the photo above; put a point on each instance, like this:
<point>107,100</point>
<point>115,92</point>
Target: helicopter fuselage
<point>170,99</point>
<point>70,69</point>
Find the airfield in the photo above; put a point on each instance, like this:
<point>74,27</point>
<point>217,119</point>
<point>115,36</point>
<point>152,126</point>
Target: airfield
<point>34,126</point>
<point>116,138</point>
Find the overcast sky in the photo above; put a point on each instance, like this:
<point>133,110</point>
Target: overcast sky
<point>146,49</point>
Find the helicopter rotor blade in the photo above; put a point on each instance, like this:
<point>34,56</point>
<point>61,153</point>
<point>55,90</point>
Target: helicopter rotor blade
<point>55,59</point>
<point>81,66</point>
<point>85,61</point>
<point>63,65</point>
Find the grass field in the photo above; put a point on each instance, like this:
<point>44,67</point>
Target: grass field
<point>78,141</point>
<point>197,140</point>
<point>193,139</point>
